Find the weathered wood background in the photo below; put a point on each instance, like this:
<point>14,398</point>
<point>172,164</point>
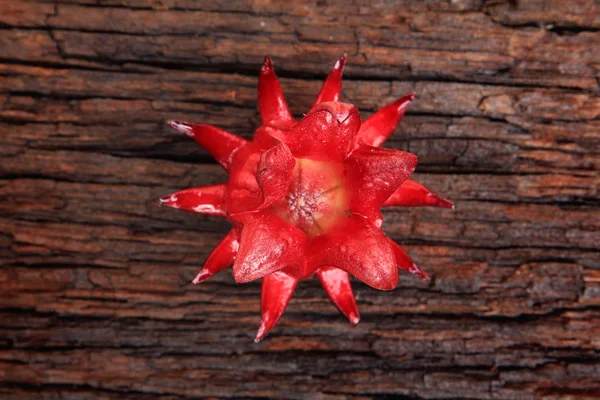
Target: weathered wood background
<point>95,293</point>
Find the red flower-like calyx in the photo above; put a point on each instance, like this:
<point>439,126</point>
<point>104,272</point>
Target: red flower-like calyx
<point>304,197</point>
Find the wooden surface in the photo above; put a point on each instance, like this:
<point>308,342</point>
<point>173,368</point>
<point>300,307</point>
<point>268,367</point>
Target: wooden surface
<point>95,294</point>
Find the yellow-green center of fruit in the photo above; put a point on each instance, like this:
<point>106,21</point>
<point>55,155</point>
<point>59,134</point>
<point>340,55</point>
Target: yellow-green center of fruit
<point>316,199</point>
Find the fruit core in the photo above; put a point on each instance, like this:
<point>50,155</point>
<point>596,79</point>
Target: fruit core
<point>316,199</point>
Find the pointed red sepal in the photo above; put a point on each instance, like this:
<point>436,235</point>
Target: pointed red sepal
<point>220,144</point>
<point>357,247</point>
<point>413,194</point>
<point>220,258</point>
<point>277,290</point>
<point>405,263</point>
<point>207,200</point>
<point>326,133</point>
<point>379,126</point>
<point>332,87</point>
<point>260,175</point>
<point>267,244</point>
<point>244,194</point>
<point>275,169</point>
<point>372,174</point>
<point>271,102</point>
<point>337,286</point>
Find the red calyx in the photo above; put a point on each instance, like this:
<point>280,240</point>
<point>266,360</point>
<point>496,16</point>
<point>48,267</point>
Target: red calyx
<point>305,196</point>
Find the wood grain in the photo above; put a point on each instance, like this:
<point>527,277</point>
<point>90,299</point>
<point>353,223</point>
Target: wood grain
<point>95,298</point>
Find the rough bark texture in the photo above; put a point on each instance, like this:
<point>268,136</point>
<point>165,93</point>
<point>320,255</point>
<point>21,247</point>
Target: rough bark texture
<point>96,300</point>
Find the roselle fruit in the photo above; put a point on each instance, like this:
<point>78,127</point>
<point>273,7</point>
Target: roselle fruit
<point>304,197</point>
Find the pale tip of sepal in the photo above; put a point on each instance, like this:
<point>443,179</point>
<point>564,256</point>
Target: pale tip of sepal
<point>419,272</point>
<point>182,127</point>
<point>443,203</point>
<point>262,332</point>
<point>340,63</point>
<point>404,102</point>
<point>267,64</point>
<point>169,201</point>
<point>163,200</point>
<point>201,277</point>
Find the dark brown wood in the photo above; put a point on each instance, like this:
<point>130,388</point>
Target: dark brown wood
<point>94,286</point>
